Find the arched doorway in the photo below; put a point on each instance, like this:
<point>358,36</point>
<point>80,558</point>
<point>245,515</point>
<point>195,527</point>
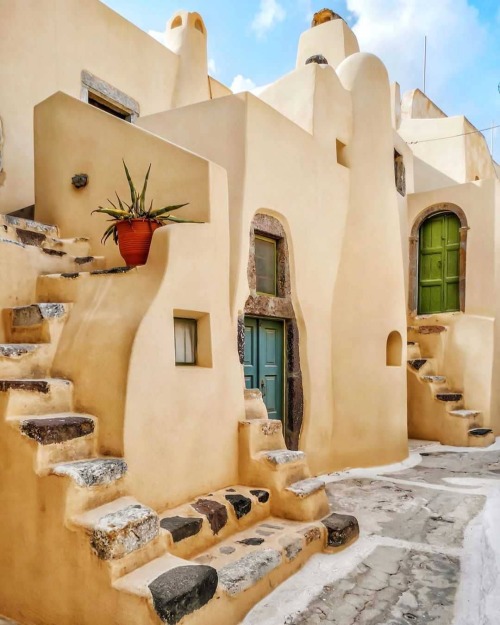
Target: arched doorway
<point>437,260</point>
<point>268,331</point>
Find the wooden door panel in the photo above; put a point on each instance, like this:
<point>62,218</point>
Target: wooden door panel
<point>439,264</point>
<point>250,360</point>
<point>271,366</point>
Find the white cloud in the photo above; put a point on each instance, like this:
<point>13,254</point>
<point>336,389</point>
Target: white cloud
<point>270,13</point>
<point>240,83</point>
<point>395,30</point>
<point>159,36</point>
<point>212,67</point>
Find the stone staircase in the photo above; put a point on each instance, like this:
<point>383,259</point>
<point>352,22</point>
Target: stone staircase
<point>436,412</point>
<point>51,253</point>
<point>216,555</point>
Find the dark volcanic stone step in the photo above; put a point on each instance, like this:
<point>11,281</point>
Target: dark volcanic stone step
<point>480,431</point>
<point>449,396</point>
<point>57,429</point>
<point>417,364</point>
<point>341,528</point>
<point>262,495</point>
<point>37,386</point>
<point>181,527</point>
<point>215,512</point>
<point>242,505</point>
<point>183,590</point>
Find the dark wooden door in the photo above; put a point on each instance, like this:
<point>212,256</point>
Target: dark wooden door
<point>264,362</point>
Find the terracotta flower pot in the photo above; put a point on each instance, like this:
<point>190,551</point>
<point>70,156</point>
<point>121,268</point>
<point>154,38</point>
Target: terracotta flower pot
<point>134,239</point>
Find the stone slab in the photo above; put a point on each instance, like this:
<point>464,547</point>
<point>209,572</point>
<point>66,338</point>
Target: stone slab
<point>241,574</point>
<point>182,590</point>
<point>215,512</point>
<point>57,429</point>
<point>121,532</point>
<point>181,527</point>
<point>341,529</point>
<point>90,473</point>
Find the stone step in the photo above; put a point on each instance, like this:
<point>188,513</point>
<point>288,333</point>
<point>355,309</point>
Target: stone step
<point>41,236</point>
<point>53,429</point>
<point>261,435</point>
<point>28,224</point>
<point>234,575</point>
<point>209,519</point>
<point>65,286</point>
<point>479,431</point>
<point>480,437</point>
<point>51,260</point>
<point>58,438</point>
<point>174,588</point>
<point>302,500</point>
<point>93,472</point>
<point>119,528</point>
<point>306,488</point>
<point>26,360</point>
<point>279,457</point>
<point>428,329</point>
<point>413,350</point>
<point>417,363</point>
<point>36,396</point>
<point>449,396</point>
<point>465,414</point>
<point>35,323</point>
<point>434,379</point>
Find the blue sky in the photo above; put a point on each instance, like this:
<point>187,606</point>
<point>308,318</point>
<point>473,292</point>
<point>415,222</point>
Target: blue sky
<point>253,42</point>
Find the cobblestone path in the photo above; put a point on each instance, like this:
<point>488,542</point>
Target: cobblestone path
<point>407,567</point>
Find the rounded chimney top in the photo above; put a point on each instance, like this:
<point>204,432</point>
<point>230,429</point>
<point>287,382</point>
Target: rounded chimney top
<point>325,15</point>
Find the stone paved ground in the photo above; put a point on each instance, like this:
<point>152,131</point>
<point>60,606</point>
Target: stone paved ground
<point>392,586</point>
<point>408,566</point>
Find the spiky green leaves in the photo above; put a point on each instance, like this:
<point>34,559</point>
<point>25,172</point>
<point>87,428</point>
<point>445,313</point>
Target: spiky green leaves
<point>137,208</point>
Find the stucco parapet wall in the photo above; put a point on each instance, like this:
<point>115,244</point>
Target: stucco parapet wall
<point>416,105</point>
<point>63,129</point>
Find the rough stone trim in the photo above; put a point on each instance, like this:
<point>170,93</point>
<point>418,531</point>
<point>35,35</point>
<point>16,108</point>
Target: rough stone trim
<point>414,244</point>
<point>101,88</point>
<point>279,307</point>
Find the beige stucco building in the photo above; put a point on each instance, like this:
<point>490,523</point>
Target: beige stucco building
<point>162,425</point>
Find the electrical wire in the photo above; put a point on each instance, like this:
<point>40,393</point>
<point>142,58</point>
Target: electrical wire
<point>463,134</point>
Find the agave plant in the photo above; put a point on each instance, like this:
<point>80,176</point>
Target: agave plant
<point>136,209</point>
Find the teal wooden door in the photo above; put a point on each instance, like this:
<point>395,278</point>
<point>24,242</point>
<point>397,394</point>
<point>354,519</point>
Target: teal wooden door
<point>264,362</point>
<point>439,264</point>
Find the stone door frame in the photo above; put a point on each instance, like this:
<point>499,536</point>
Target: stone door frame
<point>415,252</point>
<point>278,307</point>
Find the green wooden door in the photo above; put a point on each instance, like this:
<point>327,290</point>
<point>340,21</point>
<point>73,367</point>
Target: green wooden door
<point>439,264</point>
<point>264,362</point>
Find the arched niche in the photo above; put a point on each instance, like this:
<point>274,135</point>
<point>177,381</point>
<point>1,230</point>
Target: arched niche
<point>279,307</point>
<point>414,247</point>
<point>394,350</point>
<point>176,22</point>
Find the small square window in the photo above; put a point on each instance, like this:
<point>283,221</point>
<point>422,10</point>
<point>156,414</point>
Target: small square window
<point>185,331</point>
<point>265,265</point>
